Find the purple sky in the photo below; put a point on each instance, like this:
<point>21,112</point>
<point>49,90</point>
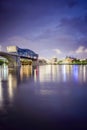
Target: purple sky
<point>48,27</point>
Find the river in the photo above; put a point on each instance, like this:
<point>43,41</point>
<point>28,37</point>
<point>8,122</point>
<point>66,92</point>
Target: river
<point>45,97</point>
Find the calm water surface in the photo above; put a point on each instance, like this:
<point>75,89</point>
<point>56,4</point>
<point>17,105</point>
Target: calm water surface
<point>51,96</point>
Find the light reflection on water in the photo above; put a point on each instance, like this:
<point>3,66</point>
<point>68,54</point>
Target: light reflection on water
<point>1,96</point>
<point>11,78</point>
<point>44,91</point>
<point>25,72</point>
<point>61,73</point>
<point>53,76</point>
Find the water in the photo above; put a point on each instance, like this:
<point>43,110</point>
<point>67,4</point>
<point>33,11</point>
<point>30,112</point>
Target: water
<point>45,97</point>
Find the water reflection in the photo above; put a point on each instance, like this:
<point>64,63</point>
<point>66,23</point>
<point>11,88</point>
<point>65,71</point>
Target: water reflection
<point>25,72</point>
<point>11,85</point>
<point>3,73</point>
<point>10,78</point>
<point>43,92</point>
<point>35,72</point>
<point>84,73</point>
<point>1,96</point>
<point>61,73</point>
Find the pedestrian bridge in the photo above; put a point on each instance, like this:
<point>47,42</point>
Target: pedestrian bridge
<point>14,57</point>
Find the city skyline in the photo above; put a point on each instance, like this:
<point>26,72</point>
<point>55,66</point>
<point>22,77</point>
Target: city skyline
<point>49,27</point>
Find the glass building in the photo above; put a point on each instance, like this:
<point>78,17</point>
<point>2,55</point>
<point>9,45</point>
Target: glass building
<point>22,52</point>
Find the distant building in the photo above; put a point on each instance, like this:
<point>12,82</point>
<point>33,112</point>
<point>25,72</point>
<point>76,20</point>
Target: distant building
<point>54,60</point>
<point>22,52</point>
<point>68,60</point>
<point>42,61</point>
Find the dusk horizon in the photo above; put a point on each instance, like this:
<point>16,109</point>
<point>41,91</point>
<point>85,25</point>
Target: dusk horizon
<point>49,27</point>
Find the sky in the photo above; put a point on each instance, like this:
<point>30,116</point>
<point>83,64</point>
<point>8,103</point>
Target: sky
<point>51,28</point>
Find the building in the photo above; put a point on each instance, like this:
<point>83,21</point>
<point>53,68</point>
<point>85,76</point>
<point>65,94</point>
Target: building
<point>68,60</point>
<point>22,52</point>
<point>54,60</point>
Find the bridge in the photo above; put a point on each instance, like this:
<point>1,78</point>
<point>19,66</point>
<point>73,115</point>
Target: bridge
<point>14,54</point>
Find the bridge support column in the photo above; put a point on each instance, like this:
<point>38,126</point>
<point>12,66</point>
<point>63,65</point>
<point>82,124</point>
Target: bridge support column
<point>18,63</point>
<point>14,62</point>
<point>34,62</point>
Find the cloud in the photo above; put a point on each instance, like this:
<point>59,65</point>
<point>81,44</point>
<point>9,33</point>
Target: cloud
<point>58,51</point>
<point>85,50</point>
<point>79,50</point>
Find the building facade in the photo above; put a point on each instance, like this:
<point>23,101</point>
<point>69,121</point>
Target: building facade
<point>22,52</point>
